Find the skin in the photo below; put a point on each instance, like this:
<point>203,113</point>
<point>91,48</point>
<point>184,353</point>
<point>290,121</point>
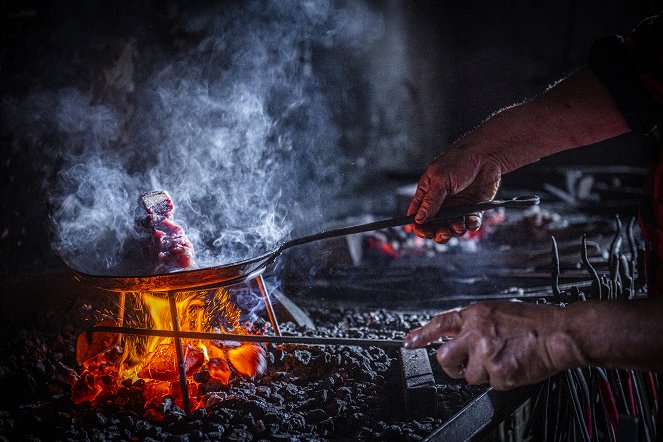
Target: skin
<point>509,344</point>
<point>575,112</point>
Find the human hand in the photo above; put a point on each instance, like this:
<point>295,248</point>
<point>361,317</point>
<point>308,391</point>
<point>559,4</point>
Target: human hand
<point>460,175</point>
<point>505,343</point>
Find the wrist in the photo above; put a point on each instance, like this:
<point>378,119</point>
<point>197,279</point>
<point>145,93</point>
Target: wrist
<point>568,344</point>
<point>499,143</point>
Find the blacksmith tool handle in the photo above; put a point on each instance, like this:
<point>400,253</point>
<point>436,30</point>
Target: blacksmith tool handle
<point>307,340</point>
<point>445,213</point>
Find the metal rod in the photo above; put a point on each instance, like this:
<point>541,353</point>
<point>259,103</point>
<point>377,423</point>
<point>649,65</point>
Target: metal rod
<point>120,307</point>
<point>309,340</point>
<point>555,268</point>
<point>120,312</point>
<point>596,281</point>
<point>178,350</point>
<point>268,305</point>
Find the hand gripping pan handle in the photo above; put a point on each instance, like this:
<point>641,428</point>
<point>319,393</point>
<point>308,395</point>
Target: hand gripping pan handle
<point>444,214</point>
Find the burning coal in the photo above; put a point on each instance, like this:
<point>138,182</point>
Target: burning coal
<point>109,362</point>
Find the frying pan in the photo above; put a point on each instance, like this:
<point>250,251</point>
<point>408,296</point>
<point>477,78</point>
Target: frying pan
<point>233,273</point>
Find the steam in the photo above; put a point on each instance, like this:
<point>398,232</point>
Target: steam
<point>235,126</point>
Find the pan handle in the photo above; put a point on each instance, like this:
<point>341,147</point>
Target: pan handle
<point>443,214</point>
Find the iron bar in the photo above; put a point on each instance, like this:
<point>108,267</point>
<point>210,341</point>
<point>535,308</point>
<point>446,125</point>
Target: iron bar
<point>121,304</point>
<point>268,305</point>
<point>309,340</point>
<point>178,350</point>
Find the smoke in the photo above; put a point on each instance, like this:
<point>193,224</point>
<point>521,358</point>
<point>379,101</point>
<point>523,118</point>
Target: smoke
<point>231,120</point>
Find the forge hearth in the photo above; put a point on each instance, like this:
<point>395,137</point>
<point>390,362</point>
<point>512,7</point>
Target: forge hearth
<point>306,391</point>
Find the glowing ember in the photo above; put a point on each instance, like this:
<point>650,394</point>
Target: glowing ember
<point>101,342</point>
<point>248,360</point>
<point>162,363</point>
<point>109,363</point>
<point>219,370</point>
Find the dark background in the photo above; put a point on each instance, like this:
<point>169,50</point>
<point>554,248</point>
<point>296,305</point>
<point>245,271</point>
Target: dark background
<point>449,65</point>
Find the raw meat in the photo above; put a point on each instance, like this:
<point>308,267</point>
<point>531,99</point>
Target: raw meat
<point>171,249</point>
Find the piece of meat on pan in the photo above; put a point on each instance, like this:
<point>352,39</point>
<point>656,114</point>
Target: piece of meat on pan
<point>170,248</point>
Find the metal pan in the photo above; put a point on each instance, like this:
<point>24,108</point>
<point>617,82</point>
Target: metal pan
<point>228,274</point>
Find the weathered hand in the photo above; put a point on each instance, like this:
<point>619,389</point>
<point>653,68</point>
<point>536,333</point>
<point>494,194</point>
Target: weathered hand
<point>505,343</point>
<point>458,176</point>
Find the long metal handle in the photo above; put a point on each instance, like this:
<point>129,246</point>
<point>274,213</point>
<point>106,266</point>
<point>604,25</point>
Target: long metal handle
<point>309,340</point>
<point>444,214</point>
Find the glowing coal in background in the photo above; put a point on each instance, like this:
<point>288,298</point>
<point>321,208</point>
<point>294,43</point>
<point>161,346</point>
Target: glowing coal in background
<point>233,120</point>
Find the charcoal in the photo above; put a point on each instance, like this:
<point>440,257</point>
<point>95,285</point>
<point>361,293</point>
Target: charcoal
<point>259,426</point>
<point>256,408</point>
<point>277,399</point>
<point>297,420</point>
<point>213,399</point>
<point>291,391</point>
<point>280,437</point>
<point>344,393</point>
<point>306,393</point>
<point>100,419</point>
<point>239,435</point>
<point>143,426</point>
<point>202,377</point>
<point>336,406</point>
<point>263,391</point>
<point>198,435</point>
<point>215,427</point>
<point>213,386</point>
<point>249,422</point>
<point>393,432</point>
<point>200,414</point>
<point>315,416</point>
<point>322,396</point>
<point>327,426</point>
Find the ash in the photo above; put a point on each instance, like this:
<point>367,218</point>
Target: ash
<point>307,393</point>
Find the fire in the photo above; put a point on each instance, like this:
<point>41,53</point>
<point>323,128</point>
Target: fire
<point>110,361</point>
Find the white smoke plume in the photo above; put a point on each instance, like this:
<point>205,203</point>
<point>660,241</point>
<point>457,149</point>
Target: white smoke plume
<point>234,124</point>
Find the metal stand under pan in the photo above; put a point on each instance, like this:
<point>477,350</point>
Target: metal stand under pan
<point>176,333</point>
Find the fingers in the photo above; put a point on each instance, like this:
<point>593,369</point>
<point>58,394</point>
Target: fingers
<point>463,357</point>
<point>445,324</point>
<point>453,357</point>
<point>419,195</point>
<point>430,205</point>
<point>442,233</point>
<point>427,198</point>
<point>476,372</point>
<point>457,226</point>
<point>473,221</point>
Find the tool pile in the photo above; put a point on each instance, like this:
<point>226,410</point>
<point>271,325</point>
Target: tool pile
<point>605,404</point>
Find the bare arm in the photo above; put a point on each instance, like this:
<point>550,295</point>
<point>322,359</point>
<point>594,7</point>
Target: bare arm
<point>512,343</point>
<point>576,112</point>
<point>618,334</point>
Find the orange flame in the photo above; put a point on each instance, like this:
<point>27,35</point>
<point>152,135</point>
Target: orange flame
<point>153,359</point>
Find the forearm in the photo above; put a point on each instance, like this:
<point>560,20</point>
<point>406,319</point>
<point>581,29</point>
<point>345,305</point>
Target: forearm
<point>614,334</point>
<point>576,112</point>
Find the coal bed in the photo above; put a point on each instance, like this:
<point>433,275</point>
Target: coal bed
<point>306,393</point>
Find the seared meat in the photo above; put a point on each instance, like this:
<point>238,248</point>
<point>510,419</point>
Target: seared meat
<point>170,248</point>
